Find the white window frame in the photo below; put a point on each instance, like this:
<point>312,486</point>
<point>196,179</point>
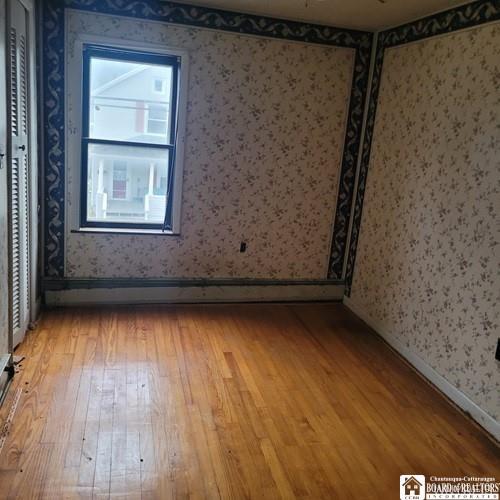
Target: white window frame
<point>73,131</point>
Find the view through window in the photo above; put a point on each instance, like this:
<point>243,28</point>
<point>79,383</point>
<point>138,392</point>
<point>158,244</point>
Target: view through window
<point>128,138</point>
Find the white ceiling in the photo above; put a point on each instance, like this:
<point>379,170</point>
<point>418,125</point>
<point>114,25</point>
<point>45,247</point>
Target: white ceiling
<point>358,14</point>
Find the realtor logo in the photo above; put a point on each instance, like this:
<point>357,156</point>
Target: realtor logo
<point>412,487</point>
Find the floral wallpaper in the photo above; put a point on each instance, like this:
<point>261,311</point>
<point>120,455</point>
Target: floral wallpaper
<point>428,259</point>
<point>265,129</point>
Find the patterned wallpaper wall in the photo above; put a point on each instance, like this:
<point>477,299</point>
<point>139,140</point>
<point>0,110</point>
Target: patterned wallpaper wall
<point>265,129</point>
<point>428,262</point>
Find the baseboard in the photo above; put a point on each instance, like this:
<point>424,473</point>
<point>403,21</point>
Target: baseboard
<point>188,293</point>
<point>459,398</point>
<point>73,283</point>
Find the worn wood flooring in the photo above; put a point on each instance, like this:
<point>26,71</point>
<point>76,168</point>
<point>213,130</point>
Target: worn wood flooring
<point>224,401</point>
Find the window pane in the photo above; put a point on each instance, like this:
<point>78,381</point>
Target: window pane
<point>126,184</point>
<point>122,94</point>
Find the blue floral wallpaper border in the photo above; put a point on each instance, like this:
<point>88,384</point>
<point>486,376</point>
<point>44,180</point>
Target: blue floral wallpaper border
<point>465,16</point>
<point>53,102</point>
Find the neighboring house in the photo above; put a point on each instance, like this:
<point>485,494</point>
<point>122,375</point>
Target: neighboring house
<point>129,183</point>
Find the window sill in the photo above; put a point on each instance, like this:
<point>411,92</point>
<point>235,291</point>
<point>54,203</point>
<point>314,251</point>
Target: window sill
<point>98,230</point>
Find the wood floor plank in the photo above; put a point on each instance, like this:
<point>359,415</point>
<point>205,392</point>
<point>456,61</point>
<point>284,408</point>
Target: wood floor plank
<point>225,401</point>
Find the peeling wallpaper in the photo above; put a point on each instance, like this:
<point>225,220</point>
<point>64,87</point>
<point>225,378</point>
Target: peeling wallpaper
<point>265,130</point>
<point>428,259</point>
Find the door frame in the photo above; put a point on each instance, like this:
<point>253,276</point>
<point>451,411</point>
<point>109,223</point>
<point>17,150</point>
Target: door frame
<point>33,154</point>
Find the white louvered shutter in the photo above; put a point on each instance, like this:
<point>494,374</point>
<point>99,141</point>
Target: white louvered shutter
<point>20,189</point>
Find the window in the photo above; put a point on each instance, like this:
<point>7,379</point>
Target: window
<point>157,123</point>
<point>159,86</point>
<point>129,138</point>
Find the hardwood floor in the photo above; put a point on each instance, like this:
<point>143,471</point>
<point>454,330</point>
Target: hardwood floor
<point>225,401</point>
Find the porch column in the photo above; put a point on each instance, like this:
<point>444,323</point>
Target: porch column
<point>151,178</point>
<point>101,198</point>
<point>100,176</point>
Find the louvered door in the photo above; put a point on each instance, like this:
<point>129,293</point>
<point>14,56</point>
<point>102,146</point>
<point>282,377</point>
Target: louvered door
<point>5,338</point>
<point>18,95</point>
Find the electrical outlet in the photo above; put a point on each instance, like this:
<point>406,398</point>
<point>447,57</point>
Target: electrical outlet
<point>497,354</point>
<point>243,247</point>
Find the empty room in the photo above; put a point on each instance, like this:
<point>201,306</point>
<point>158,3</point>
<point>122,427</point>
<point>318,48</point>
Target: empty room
<point>250,249</point>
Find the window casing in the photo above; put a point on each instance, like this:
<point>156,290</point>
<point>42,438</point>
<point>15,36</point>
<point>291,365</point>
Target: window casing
<point>127,176</point>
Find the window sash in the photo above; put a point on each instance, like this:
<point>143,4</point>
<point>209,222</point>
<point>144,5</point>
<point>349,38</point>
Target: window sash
<point>89,52</point>
<point>84,222</point>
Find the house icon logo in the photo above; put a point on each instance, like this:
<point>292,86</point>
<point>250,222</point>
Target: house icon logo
<point>412,487</point>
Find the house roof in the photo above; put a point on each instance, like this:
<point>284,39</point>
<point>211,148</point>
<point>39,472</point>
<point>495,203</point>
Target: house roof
<point>119,79</point>
<point>412,479</point>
